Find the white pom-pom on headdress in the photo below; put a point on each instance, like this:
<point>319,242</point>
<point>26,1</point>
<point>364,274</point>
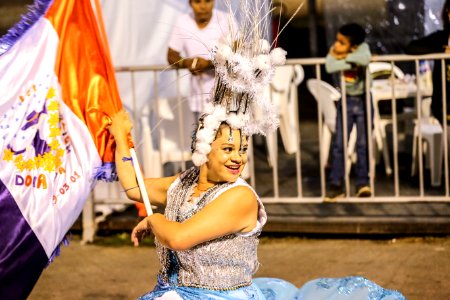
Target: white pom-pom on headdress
<point>206,135</point>
<point>262,62</point>
<point>278,56</point>
<point>199,159</point>
<point>211,121</point>
<point>223,54</point>
<point>264,46</point>
<point>203,148</point>
<point>236,121</point>
<point>208,108</point>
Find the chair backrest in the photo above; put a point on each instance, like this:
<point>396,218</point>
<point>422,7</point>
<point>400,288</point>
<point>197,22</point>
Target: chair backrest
<point>282,91</point>
<point>161,135</point>
<point>282,78</point>
<point>325,94</point>
<point>384,69</point>
<point>285,75</point>
<point>299,75</point>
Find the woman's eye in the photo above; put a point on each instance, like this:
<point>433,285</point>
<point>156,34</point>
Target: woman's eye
<point>227,149</point>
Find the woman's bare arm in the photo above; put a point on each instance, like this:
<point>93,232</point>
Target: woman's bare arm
<point>156,187</point>
<point>234,211</point>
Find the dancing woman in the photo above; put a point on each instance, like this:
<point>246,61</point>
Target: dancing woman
<point>207,238</point>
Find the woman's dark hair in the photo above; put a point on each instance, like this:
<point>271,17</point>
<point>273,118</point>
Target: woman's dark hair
<point>197,127</point>
<point>354,32</point>
<point>444,15</point>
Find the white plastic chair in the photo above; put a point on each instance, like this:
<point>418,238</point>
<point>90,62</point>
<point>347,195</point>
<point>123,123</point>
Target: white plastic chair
<point>432,136</point>
<point>283,93</point>
<point>326,95</point>
<point>382,121</point>
<point>170,149</point>
<point>378,68</point>
<point>383,69</point>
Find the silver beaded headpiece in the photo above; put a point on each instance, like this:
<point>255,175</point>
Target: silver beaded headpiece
<point>244,65</point>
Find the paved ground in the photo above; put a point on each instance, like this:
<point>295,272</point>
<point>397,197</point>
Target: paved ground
<point>418,267</point>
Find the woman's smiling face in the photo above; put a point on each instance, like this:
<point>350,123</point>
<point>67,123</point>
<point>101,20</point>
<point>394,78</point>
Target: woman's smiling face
<point>227,158</point>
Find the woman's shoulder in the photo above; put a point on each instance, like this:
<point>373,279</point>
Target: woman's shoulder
<point>243,190</point>
<point>241,187</point>
<point>239,193</point>
<point>237,189</point>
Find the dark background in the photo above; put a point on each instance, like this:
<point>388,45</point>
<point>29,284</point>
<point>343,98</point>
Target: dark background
<point>390,25</point>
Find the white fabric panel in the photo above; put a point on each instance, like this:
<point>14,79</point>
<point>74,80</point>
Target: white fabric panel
<point>138,30</point>
<point>138,33</point>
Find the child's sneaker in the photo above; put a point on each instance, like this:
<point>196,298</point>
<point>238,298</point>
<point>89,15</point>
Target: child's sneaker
<point>334,192</point>
<point>363,191</point>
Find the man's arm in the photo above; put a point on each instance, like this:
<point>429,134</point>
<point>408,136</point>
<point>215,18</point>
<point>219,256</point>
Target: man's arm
<point>195,65</point>
<point>174,58</point>
<point>433,43</point>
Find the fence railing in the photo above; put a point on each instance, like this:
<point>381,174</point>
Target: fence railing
<point>302,176</point>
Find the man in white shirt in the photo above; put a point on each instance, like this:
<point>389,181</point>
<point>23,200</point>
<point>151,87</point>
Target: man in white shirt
<point>193,36</point>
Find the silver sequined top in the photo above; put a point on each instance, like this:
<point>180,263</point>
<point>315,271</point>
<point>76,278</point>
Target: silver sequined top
<point>221,264</point>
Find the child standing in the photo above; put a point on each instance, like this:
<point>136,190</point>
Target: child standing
<point>350,54</point>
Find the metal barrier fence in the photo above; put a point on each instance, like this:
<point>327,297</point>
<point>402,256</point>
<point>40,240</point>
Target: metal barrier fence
<point>301,176</point>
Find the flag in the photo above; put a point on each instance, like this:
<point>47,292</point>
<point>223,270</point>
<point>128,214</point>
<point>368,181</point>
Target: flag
<point>57,91</point>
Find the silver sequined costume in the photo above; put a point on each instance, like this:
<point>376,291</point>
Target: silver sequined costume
<point>221,264</point>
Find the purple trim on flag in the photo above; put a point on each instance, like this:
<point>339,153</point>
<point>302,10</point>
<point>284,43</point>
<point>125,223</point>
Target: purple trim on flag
<point>35,12</point>
<point>107,172</point>
<point>57,251</point>
<point>22,257</point>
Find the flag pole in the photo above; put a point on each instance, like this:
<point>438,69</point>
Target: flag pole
<point>140,181</point>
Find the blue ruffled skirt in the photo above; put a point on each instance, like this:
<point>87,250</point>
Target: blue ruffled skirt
<point>345,288</point>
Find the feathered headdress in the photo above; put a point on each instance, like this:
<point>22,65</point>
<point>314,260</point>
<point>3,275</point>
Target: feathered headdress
<point>244,65</point>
